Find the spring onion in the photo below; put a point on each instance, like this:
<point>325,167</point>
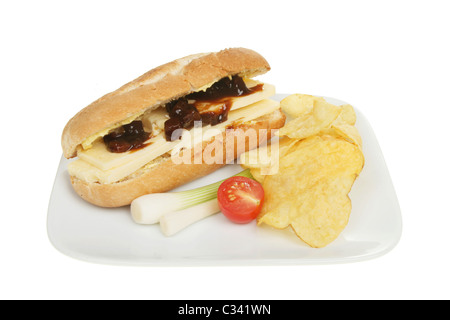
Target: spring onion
<point>148,209</point>
<point>173,222</point>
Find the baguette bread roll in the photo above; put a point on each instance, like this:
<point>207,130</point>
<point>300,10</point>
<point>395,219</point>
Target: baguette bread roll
<point>149,92</point>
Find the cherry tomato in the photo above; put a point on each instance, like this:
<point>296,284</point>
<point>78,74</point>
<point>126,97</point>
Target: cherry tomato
<point>240,199</point>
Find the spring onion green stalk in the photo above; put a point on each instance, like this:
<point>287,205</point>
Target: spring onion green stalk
<point>148,209</point>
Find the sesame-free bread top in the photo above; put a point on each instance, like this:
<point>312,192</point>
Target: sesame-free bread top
<point>156,87</point>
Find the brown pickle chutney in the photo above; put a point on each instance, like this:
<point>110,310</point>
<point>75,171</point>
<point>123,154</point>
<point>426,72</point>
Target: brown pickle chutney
<point>128,137</point>
<point>183,114</point>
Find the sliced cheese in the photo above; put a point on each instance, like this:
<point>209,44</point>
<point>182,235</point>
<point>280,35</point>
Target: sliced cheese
<point>267,91</point>
<point>99,156</point>
<point>154,120</point>
<point>99,165</point>
<point>238,102</point>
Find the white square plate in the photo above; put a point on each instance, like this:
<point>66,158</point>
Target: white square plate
<point>109,236</point>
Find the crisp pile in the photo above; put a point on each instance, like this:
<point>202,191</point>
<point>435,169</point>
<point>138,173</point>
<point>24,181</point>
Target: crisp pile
<point>307,176</point>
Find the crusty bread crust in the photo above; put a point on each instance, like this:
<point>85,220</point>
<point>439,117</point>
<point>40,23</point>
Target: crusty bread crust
<point>159,86</point>
<point>167,175</point>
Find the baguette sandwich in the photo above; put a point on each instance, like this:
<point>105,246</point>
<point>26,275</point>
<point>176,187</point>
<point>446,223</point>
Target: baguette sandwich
<point>122,146</point>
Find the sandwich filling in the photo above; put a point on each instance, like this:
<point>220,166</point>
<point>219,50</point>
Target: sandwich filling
<point>119,152</point>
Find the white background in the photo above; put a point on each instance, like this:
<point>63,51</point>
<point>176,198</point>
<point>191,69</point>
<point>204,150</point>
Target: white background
<point>390,59</point>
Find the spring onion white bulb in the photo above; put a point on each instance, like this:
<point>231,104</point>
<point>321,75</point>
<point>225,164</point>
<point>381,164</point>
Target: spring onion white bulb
<point>173,222</point>
<point>148,209</point>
